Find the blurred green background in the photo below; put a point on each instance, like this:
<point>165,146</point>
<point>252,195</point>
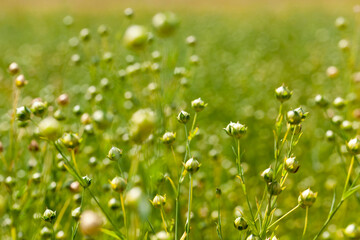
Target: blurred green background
<point>247,49</point>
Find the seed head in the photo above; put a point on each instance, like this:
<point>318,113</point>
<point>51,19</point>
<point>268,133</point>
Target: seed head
<point>198,105</point>
<point>192,165</point>
<point>115,154</point>
<point>168,138</point>
<point>283,93</point>
<point>352,231</point>
<point>49,215</point>
<point>268,175</point>
<point>76,213</point>
<point>23,113</point>
<point>158,201</point>
<point>103,30</point>
<point>341,23</point>
<point>113,203</point>
<point>321,101</point>
<point>90,223</point>
<point>136,37</point>
<point>344,44</point>
<point>292,165</point>
<point>353,146</point>
<point>20,81</point>
<point>274,188</point>
<point>118,184</point>
<point>85,34</point>
<point>191,40</point>
<point>165,23</point>
<point>339,103</point>
<point>129,13</point>
<point>307,198</point>
<point>70,140</point>
<point>38,108</point>
<point>236,130</point>
<point>63,99</point>
<point>45,232</point>
<point>142,124</point>
<point>332,72</point>
<point>330,136</point>
<point>14,68</point>
<point>296,116</point>
<point>240,223</point>
<point>183,117</point>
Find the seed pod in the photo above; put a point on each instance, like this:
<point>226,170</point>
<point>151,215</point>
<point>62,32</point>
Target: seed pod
<point>142,124</point>
<point>337,120</point>
<point>87,181</point>
<point>77,110</point>
<point>307,198</point>
<point>292,165</point>
<point>198,105</point>
<point>49,215</point>
<point>168,138</point>
<point>114,204</point>
<point>183,117</point>
<point>118,184</point>
<point>59,115</point>
<point>339,103</point>
<point>353,146</point>
<point>346,125</point>
<point>274,188</point>
<point>352,231</point>
<point>68,20</point>
<point>129,13</point>
<point>38,108</point>
<point>321,101</point>
<point>45,232</point>
<point>63,99</point>
<point>90,223</point>
<point>14,68</point>
<point>240,223</point>
<point>296,116</point>
<point>133,197</point>
<point>20,81</point>
<point>36,177</point>
<point>330,136</point>
<point>60,235</point>
<point>136,37</point>
<point>341,23</point>
<point>33,146</point>
<point>70,140</point>
<point>268,175</point>
<point>158,201</point>
<point>192,165</point>
<point>344,44</point>
<point>332,72</point>
<point>76,213</point>
<point>115,154</point>
<point>85,34</point>
<point>282,93</point>
<point>103,30</point>
<point>165,23</point>
<point>252,237</point>
<point>23,113</point>
<point>191,41</point>
<point>236,130</point>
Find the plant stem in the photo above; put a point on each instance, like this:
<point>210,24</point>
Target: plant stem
<point>349,174</point>
<point>283,216</point>
<point>124,213</point>
<point>163,218</point>
<point>106,215</point>
<point>306,222</point>
<point>189,206</point>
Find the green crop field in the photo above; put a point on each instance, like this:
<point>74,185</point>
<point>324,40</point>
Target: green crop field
<point>179,120</point>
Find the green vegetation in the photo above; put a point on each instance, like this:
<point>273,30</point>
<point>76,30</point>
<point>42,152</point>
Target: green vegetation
<point>149,125</point>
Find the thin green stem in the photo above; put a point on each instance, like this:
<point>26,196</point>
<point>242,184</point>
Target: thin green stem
<point>189,206</point>
<point>283,216</point>
<point>306,222</point>
<point>349,174</point>
<point>106,215</point>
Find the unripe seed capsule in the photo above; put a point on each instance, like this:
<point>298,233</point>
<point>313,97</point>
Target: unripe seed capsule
<point>115,154</point>
<point>268,175</point>
<point>282,93</point>
<point>168,138</point>
<point>158,201</point>
<point>183,117</point>
<point>240,223</point>
<point>292,165</point>
<point>353,146</point>
<point>307,198</point>
<point>192,165</point>
<point>198,105</point>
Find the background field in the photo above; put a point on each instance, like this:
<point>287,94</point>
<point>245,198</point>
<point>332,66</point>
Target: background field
<point>246,51</point>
